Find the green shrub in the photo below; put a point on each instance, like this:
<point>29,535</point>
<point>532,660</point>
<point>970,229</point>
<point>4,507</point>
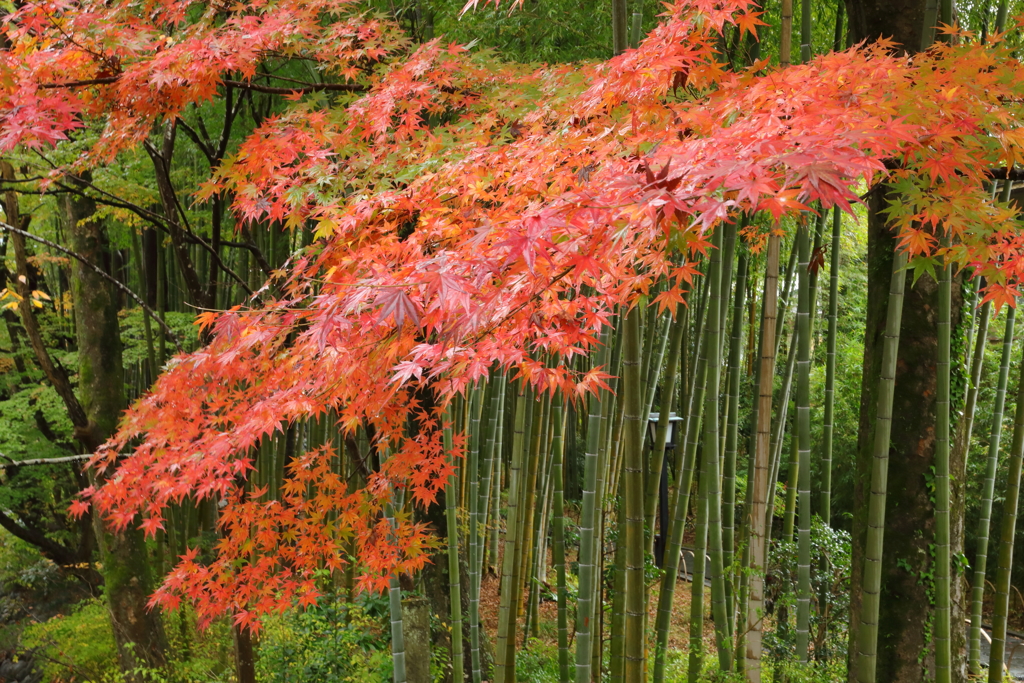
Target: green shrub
<point>334,641</point>
<point>78,646</point>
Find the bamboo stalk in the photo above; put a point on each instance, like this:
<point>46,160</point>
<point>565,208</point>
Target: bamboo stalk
<point>696,653</point>
<point>1011,498</point>
<point>803,430</point>
<point>507,608</point>
<point>867,641</point>
<point>761,455</point>
<point>633,501</point>
<point>830,370</point>
<point>589,543</point>
<point>661,435</point>
<point>711,446</point>
<point>454,589</point>
<point>732,434</point>
<point>558,540</point>
<point>987,493</point>
<point>395,608</point>
<point>681,497</point>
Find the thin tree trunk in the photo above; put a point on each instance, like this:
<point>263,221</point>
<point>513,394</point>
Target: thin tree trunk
<point>943,654</point>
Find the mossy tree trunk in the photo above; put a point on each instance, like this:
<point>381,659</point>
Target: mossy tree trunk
<point>126,568</point>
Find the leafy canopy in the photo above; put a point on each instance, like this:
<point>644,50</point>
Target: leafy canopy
<point>469,215</point>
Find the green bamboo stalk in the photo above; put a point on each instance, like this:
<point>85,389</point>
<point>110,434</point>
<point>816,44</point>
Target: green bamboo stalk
<point>871,587</point>
<point>492,452</point>
<point>493,543</point>
<point>681,497</point>
<point>1001,14</point>
<point>786,37</point>
<point>830,371</point>
<point>726,285</point>
<point>696,654</point>
<point>711,450</point>
<point>147,324</point>
<point>617,639</point>
<point>946,16</point>
<point>803,423</point>
<point>472,472</point>
<point>837,38</point>
<point>805,31</point>
<point>1011,499</point>
<point>527,547</point>
<point>792,483</point>
<point>395,608</point>
<point>588,514</point>
<point>161,303</point>
<point>534,545</point>
<point>987,492</point>
<point>454,589</point>
<point>784,299</point>
<point>755,346</point>
<point>634,30</point>
<point>558,540</point>
<point>507,608</point>
<point>653,369</point>
<point>607,464</point>
<point>684,457</point>
<point>943,653</point>
<point>619,27</point>
<point>732,433</point>
<point>978,340</point>
<point>780,428</point>
<point>633,500</point>
<point>661,435</point>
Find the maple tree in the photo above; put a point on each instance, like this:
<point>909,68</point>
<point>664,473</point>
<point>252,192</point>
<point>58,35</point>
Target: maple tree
<point>469,215</point>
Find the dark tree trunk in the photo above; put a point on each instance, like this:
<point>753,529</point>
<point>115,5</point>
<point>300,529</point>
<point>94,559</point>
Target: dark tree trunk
<point>905,651</point>
<point>137,630</point>
<point>898,20</point>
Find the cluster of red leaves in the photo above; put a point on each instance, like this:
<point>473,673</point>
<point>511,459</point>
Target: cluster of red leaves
<point>473,215</point>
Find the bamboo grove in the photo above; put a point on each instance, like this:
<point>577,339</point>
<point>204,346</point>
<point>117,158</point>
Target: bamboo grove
<point>545,332</point>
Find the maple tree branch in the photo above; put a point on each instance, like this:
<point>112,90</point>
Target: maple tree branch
<point>303,87</point>
<point>521,306</point>
<point>103,80</point>
<point>42,461</point>
<point>302,90</point>
<point>200,143</point>
<point>99,271</point>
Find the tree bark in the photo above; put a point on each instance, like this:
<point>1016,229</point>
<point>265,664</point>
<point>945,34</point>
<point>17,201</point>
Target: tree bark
<point>137,630</point>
